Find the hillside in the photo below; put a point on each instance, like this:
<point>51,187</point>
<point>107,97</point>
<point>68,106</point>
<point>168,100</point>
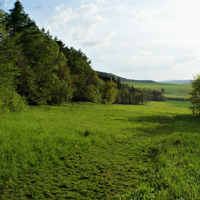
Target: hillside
<point>181,82</point>
<point>171,90</point>
<point>110,75</point>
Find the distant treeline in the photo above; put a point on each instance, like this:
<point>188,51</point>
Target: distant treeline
<point>176,99</point>
<point>130,95</point>
<point>37,69</point>
<point>124,79</point>
<point>180,82</point>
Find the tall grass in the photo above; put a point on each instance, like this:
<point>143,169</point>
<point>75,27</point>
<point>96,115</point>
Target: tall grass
<point>100,152</point>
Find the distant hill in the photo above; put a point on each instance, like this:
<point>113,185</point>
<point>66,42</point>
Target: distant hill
<point>109,75</point>
<point>181,82</point>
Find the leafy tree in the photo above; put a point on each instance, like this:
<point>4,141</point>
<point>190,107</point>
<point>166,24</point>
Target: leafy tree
<point>156,95</point>
<point>109,92</point>
<point>86,81</point>
<point>42,59</point>
<point>163,90</point>
<point>195,95</point>
<point>62,86</point>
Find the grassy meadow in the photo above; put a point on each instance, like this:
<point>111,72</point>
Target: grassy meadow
<point>171,90</point>
<point>90,151</point>
<point>95,151</point>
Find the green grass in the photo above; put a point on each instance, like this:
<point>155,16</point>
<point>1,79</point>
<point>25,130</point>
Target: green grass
<point>171,90</point>
<point>100,152</point>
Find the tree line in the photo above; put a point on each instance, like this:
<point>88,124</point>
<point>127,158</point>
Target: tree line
<point>37,69</point>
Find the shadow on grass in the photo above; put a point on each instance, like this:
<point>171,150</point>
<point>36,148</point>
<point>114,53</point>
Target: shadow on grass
<point>165,124</point>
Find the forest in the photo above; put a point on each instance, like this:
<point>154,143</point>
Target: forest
<point>37,69</point>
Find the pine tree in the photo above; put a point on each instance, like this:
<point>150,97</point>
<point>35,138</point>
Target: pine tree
<point>18,20</point>
<point>10,54</point>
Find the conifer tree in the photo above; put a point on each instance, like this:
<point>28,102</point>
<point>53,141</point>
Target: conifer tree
<point>9,54</point>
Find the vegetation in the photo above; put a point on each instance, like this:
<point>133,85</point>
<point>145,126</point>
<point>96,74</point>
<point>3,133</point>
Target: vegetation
<point>111,76</point>
<point>195,95</point>
<point>89,151</point>
<point>40,70</point>
<point>171,90</point>
<point>9,54</point>
<point>82,150</point>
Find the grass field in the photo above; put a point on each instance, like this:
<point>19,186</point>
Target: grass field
<point>94,151</point>
<point>171,90</point>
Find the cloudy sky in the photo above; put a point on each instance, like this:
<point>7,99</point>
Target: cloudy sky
<point>137,39</point>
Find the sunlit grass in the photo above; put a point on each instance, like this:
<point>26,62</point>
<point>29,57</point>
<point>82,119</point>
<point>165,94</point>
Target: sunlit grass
<point>105,152</point>
<point>171,90</point>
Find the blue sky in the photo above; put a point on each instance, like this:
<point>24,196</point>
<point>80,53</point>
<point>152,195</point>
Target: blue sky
<point>137,39</point>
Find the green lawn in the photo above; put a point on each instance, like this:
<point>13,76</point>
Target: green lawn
<point>171,90</point>
<point>95,151</point>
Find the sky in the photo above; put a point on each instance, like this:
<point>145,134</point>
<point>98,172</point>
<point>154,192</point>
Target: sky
<point>136,39</point>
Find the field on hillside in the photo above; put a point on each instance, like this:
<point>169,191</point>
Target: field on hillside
<point>94,151</point>
<point>171,90</point>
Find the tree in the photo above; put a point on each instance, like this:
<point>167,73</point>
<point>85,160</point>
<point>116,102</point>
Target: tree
<point>62,86</point>
<point>156,95</point>
<point>163,90</point>
<point>38,76</point>
<point>18,20</point>
<point>195,95</point>
<point>109,92</point>
<point>9,54</point>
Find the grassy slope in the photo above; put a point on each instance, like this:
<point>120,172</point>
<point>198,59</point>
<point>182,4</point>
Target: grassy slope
<point>172,90</point>
<point>96,151</point>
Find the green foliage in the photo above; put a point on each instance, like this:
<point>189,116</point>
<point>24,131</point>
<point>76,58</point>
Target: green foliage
<point>18,20</point>
<point>129,95</point>
<point>9,55</point>
<point>109,92</point>
<point>195,95</point>
<point>10,101</point>
<point>38,70</point>
<point>86,81</point>
<point>62,86</point>
<point>163,90</point>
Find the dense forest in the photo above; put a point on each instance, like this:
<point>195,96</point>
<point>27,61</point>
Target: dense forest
<point>37,69</point>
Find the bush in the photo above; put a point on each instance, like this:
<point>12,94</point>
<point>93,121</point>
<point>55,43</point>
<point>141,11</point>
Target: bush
<point>10,101</point>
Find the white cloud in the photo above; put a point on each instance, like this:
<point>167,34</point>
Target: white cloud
<point>58,8</point>
<point>145,59</point>
<point>99,2</point>
<point>155,40</point>
<point>81,22</point>
<point>145,14</point>
<point>99,41</point>
<point>87,10</point>
<point>60,18</point>
<point>85,33</point>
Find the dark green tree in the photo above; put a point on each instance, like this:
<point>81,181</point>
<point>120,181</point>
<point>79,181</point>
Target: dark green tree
<point>195,95</point>
<point>86,81</point>
<point>42,58</point>
<point>18,20</point>
<point>10,54</point>
<point>163,90</point>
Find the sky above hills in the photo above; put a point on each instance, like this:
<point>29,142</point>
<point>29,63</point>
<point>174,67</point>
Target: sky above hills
<point>145,39</point>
